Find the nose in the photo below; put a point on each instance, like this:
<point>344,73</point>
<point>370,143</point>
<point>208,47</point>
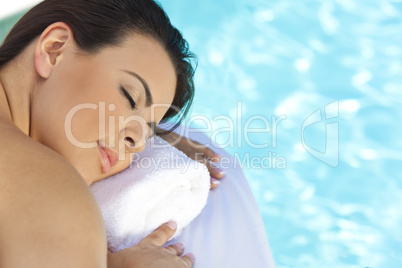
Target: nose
<point>129,142</point>
<point>132,139</point>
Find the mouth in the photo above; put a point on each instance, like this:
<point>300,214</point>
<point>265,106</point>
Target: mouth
<point>109,158</point>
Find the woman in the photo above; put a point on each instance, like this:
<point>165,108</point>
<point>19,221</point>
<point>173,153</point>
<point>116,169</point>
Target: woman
<point>82,82</point>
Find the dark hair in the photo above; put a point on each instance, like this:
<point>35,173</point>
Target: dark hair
<point>100,23</point>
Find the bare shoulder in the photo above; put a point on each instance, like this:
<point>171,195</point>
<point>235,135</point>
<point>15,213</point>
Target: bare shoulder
<point>48,217</point>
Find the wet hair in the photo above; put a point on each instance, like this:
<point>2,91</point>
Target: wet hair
<point>101,23</point>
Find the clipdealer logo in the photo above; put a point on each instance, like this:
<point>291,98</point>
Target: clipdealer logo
<point>329,116</point>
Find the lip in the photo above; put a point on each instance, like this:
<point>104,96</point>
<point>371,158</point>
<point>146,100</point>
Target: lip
<point>109,158</point>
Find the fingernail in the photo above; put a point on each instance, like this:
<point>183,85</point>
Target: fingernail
<point>215,165</point>
<point>191,256</point>
<point>220,171</point>
<point>216,182</point>
<point>180,245</point>
<point>215,159</point>
<point>172,225</point>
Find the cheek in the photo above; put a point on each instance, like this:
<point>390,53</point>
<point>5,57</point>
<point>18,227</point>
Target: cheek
<point>71,133</point>
<point>67,123</point>
<point>56,112</point>
<point>47,117</point>
<point>69,103</point>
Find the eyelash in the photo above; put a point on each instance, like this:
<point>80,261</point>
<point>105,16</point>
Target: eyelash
<point>129,98</point>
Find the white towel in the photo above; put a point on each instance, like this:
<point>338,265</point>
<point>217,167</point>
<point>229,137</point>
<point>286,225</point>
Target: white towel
<point>161,185</point>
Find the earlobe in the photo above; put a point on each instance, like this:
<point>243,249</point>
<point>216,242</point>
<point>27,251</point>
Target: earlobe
<point>50,48</point>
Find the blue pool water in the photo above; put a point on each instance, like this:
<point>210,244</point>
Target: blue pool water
<point>292,58</point>
<point>327,181</point>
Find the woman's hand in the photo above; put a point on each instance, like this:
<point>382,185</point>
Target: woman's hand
<point>149,253</point>
<point>195,151</point>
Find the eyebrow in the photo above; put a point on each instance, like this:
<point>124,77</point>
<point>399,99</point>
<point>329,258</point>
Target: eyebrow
<point>148,95</point>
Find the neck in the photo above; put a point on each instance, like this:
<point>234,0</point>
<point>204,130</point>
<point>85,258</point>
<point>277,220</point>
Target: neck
<point>16,86</point>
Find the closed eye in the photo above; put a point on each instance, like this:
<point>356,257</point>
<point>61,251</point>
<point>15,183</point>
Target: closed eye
<point>129,98</point>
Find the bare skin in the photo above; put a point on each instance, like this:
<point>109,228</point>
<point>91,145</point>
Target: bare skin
<point>48,216</point>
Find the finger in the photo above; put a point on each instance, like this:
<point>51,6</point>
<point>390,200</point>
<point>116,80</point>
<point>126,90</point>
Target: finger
<point>188,260</point>
<point>214,183</point>
<point>214,171</point>
<point>176,249</point>
<point>211,155</point>
<point>161,235</point>
<point>207,152</point>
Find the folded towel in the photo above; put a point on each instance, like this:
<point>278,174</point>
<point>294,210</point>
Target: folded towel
<point>161,185</point>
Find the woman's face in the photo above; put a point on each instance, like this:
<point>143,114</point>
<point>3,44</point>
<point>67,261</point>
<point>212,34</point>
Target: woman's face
<point>95,110</point>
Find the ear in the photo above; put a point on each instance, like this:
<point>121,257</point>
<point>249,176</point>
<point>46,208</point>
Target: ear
<point>51,46</point>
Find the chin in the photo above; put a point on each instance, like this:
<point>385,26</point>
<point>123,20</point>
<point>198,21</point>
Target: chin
<point>94,173</point>
<point>89,175</point>
<point>91,179</point>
